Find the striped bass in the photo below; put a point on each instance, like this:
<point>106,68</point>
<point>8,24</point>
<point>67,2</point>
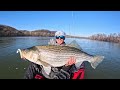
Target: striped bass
<point>56,56</point>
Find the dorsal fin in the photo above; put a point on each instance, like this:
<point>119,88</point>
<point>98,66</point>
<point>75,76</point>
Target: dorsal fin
<point>75,45</point>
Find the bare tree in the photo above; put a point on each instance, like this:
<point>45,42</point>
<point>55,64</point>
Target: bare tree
<point>110,38</point>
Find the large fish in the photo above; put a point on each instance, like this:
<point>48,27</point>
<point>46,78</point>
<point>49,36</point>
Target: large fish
<point>56,56</point>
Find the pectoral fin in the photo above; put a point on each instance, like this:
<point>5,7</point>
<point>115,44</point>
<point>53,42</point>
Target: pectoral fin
<point>44,63</point>
<point>46,66</point>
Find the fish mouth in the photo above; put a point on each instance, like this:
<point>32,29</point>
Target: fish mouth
<point>19,51</point>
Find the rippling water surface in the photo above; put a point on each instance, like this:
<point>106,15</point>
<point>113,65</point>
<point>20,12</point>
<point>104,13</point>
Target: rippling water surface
<point>12,67</point>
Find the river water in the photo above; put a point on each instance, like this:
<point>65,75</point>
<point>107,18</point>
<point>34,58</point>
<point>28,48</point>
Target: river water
<point>12,67</point>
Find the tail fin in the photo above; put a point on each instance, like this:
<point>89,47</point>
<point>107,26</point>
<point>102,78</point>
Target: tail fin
<point>96,60</point>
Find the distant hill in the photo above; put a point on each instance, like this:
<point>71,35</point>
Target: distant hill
<point>8,31</point>
<point>11,31</point>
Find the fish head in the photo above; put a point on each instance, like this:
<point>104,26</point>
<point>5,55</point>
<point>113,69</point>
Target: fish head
<point>25,53</point>
<point>28,54</point>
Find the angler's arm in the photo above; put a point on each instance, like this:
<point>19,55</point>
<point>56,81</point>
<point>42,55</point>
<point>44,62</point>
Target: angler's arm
<point>66,68</point>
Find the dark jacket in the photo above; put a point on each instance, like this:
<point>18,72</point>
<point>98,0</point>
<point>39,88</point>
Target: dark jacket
<point>34,71</point>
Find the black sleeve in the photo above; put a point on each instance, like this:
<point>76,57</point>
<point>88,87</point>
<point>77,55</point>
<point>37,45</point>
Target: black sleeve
<point>70,69</point>
<point>66,68</point>
<point>31,71</point>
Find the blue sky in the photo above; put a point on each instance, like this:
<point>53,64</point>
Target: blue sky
<point>80,23</point>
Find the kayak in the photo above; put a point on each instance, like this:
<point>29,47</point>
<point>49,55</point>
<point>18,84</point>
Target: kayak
<point>79,74</point>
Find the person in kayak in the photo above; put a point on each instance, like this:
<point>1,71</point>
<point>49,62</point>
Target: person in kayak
<point>68,71</point>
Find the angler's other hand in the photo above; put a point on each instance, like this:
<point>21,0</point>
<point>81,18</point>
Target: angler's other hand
<point>71,61</point>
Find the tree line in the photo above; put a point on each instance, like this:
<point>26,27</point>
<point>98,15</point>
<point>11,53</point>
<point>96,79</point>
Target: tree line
<point>114,37</point>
